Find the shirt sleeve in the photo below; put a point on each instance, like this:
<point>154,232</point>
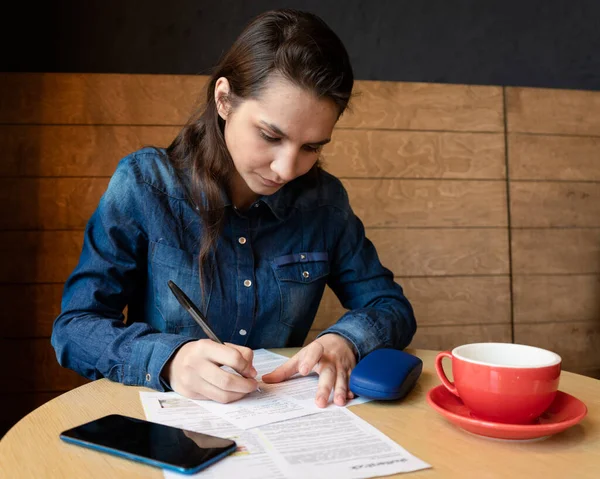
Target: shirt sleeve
<point>90,336</point>
<point>379,315</point>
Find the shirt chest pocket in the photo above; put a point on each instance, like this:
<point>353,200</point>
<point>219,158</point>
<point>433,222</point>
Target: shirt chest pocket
<point>181,267</point>
<point>301,278</point>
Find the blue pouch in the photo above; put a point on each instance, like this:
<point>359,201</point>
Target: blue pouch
<point>385,374</point>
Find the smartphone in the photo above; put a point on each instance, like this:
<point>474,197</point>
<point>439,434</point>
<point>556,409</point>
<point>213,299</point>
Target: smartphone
<point>154,444</point>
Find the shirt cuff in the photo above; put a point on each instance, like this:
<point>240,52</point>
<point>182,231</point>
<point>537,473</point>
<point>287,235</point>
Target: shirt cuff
<point>148,358</point>
<point>361,330</point>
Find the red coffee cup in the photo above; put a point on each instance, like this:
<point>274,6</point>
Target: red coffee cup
<point>502,382</point>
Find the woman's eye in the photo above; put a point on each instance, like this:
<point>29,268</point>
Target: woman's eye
<point>270,139</point>
<point>312,149</point>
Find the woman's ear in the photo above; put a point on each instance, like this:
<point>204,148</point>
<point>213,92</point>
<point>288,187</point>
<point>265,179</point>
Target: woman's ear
<point>222,92</point>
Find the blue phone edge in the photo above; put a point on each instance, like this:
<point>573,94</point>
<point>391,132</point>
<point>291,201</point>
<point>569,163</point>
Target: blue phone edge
<point>148,461</point>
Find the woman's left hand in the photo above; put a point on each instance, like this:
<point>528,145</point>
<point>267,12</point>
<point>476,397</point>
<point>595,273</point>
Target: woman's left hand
<point>332,357</point>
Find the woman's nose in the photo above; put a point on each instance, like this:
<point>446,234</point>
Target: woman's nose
<point>284,166</point>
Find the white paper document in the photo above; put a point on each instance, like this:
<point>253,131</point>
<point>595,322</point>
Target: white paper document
<point>277,402</point>
<point>334,443</point>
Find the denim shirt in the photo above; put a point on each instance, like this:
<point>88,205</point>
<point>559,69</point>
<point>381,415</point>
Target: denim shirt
<point>263,283</point>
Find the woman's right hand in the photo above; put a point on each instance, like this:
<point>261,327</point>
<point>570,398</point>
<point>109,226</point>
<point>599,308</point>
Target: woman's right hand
<point>194,371</point>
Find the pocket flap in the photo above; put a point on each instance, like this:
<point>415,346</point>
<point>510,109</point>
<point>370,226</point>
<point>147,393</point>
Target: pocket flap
<point>301,267</point>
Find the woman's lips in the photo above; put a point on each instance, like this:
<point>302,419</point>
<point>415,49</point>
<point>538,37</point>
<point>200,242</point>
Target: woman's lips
<point>270,183</point>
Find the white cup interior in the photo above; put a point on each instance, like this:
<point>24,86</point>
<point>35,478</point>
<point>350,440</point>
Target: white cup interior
<point>506,355</point>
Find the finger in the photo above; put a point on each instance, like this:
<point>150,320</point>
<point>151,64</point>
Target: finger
<point>227,356</point>
<point>310,358</point>
<point>326,382</point>
<point>227,381</point>
<point>350,395</point>
<point>341,388</point>
<point>283,372</point>
<point>248,356</point>
<point>210,391</point>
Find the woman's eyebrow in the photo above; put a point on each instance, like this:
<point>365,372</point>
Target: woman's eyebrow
<point>275,129</point>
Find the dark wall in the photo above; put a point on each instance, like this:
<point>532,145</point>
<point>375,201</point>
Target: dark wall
<point>529,43</point>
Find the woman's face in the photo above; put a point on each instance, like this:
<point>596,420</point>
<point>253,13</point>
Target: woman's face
<point>275,138</point>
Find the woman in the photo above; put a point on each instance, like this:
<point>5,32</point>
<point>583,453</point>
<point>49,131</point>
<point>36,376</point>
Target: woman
<point>238,213</point>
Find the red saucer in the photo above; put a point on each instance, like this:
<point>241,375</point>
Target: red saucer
<point>564,412</point>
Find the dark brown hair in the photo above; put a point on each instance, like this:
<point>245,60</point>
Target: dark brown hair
<point>296,45</point>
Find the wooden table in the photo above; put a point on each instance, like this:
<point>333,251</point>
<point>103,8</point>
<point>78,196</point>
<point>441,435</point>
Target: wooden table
<point>32,448</point>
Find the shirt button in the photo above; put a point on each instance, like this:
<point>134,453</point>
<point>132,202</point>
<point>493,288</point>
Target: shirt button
<point>302,256</point>
<point>241,240</point>
<point>148,377</point>
<point>306,274</point>
<point>243,332</point>
<point>247,283</point>
<point>256,205</point>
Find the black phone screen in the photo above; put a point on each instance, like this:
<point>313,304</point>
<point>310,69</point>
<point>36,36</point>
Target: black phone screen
<point>138,439</point>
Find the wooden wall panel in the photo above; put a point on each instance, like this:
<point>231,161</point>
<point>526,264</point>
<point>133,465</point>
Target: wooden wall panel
<point>38,256</point>
<point>415,154</point>
<point>556,251</point>
<point>577,342</point>
<point>554,146</point>
<point>48,203</point>
<point>29,309</point>
<point>543,157</point>
<point>74,150</point>
<point>448,337</point>
<point>461,300</point>
<point>34,367</point>
<point>68,203</point>
<point>49,256</point>
<point>98,99</point>
<point>542,299</point>
<point>442,252</point>
<point>557,204</point>
<point>560,112</point>
<point>94,150</point>
<point>445,203</point>
<point>425,106</point>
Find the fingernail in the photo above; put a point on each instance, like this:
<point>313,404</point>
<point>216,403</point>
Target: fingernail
<point>304,369</point>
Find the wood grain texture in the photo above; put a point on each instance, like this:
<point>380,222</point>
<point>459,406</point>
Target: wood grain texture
<point>34,367</point>
<point>442,252</point>
<point>425,106</point>
<point>543,157</point>
<point>564,204</point>
<point>448,337</point>
<point>50,256</point>
<point>441,301</point>
<point>543,110</point>
<point>68,203</point>
<point>412,423</point>
<point>48,203</point>
<point>98,99</point>
<point>415,154</point>
<point>556,251</point>
<point>577,342</point>
<point>74,150</point>
<point>39,256</point>
<point>55,98</point>
<point>29,309</point>
<point>417,203</point>
<point>538,299</point>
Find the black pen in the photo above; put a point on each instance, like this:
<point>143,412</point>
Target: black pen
<point>195,313</point>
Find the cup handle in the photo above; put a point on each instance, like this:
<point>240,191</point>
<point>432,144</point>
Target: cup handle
<point>442,375</point>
